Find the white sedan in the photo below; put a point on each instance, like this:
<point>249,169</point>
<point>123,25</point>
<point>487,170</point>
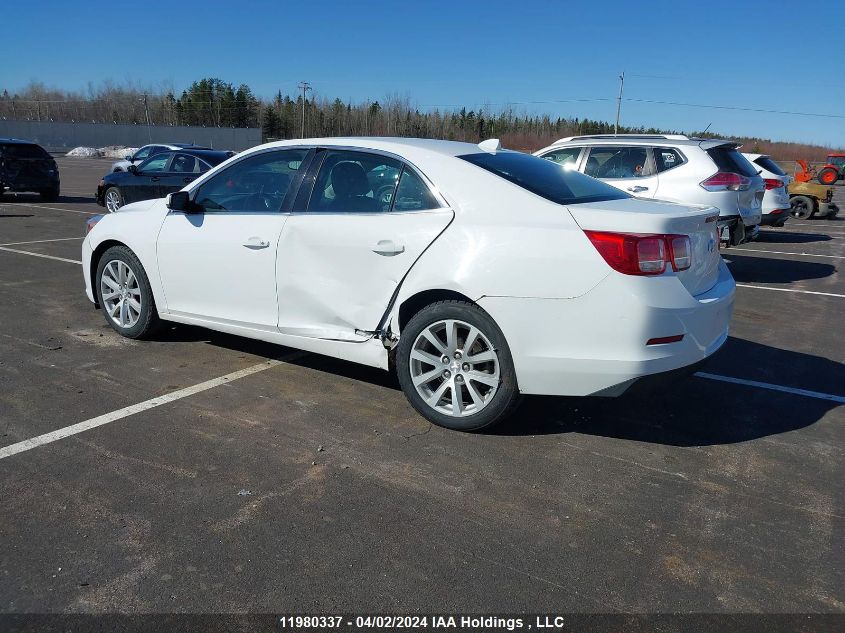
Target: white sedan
<point>478,273</point>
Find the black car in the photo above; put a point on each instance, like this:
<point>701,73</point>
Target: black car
<point>25,166</point>
<point>156,177</point>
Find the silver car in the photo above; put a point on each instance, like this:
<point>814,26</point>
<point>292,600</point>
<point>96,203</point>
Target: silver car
<point>675,168</point>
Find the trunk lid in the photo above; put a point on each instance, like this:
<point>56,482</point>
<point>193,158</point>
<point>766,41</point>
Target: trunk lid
<point>662,218</point>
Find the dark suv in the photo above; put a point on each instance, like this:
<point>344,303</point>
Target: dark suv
<point>25,166</point>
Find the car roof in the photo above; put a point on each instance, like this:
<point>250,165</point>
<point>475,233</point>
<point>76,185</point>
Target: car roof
<point>16,141</point>
<point>679,140</point>
<point>396,145</point>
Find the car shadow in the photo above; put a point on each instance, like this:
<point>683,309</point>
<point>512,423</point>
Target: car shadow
<point>749,269</point>
<point>33,198</point>
<point>697,411</point>
<point>773,237</point>
<point>693,411</point>
<point>16,215</point>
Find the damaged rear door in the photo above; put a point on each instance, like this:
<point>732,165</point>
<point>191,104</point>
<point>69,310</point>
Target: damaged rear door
<point>359,223</point>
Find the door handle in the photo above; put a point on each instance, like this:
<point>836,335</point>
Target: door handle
<point>155,179</point>
<point>637,188</point>
<point>388,248</point>
<point>256,243</point>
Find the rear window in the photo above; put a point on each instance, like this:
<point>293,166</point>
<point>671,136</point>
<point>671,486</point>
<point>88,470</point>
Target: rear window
<point>729,159</point>
<point>769,165</point>
<point>23,150</point>
<point>545,178</point>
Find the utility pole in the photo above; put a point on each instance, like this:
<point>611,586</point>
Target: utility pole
<point>147,114</point>
<point>304,86</point>
<point>619,102</point>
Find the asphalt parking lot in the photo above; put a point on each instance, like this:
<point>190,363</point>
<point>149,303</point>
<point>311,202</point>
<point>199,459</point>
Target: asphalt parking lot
<point>310,485</point>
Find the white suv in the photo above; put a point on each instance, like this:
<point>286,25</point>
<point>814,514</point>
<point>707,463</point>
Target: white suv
<point>675,168</point>
<point>776,201</point>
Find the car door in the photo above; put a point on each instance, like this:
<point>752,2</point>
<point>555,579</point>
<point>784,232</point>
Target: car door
<point>218,263</point>
<point>352,237</point>
<point>628,168</point>
<point>182,170</point>
<point>143,183</point>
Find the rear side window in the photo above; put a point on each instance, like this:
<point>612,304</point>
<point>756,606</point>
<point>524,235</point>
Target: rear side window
<point>618,162</point>
<point>729,159</point>
<point>666,158</point>
<point>545,178</point>
<point>355,182</point>
<point>769,165</point>
<point>412,194</point>
<point>22,150</point>
<point>564,156</point>
<point>185,163</point>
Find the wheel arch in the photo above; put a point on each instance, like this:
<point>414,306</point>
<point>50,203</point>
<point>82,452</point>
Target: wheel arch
<point>416,302</point>
<point>101,248</point>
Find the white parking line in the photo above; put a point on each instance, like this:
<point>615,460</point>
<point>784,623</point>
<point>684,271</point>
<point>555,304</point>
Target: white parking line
<point>41,206</point>
<point>805,292</point>
<point>766,385</point>
<point>759,250</point>
<point>58,259</point>
<point>58,239</point>
<point>87,425</point>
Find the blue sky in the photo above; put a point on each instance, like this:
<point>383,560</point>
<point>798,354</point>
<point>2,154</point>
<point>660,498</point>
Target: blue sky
<point>462,53</point>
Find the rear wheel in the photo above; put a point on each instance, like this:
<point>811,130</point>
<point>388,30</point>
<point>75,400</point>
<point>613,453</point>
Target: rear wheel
<point>455,367</point>
<point>124,293</point>
<point>827,176</point>
<point>114,199</point>
<point>802,207</point>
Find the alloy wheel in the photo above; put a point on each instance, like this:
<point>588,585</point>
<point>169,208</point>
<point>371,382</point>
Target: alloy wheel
<point>113,201</point>
<point>454,368</point>
<point>121,294</point>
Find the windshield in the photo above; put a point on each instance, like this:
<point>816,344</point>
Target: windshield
<point>545,178</point>
<point>22,150</point>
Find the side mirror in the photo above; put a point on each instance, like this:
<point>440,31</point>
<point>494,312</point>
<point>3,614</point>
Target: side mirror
<point>180,201</point>
<point>132,169</point>
<point>127,157</point>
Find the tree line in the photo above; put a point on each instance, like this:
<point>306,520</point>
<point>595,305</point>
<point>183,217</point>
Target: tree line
<point>212,102</point>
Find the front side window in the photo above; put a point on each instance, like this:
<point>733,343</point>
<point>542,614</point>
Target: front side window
<point>566,156</point>
<point>355,182</point>
<point>666,158</point>
<point>156,163</point>
<point>617,162</point>
<point>545,178</point>
<point>257,183</point>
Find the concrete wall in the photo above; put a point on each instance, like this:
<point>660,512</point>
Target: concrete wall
<point>60,136</point>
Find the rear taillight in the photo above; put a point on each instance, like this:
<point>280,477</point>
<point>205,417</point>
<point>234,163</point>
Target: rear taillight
<point>773,183</point>
<point>726,181</point>
<point>638,254</point>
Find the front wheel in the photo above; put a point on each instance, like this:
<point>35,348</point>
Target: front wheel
<point>114,199</point>
<point>801,207</point>
<point>455,367</point>
<point>126,298</point>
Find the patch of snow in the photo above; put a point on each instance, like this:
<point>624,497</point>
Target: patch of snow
<point>110,151</point>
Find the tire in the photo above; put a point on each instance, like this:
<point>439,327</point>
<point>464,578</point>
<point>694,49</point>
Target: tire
<point>802,207</point>
<point>833,211</point>
<point>487,386</point>
<point>134,309</point>
<point>50,195</point>
<point>112,199</point>
<point>827,176</point>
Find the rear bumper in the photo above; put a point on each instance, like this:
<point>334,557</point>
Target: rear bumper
<point>596,344</point>
<point>29,184</point>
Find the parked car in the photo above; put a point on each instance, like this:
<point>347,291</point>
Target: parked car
<point>156,177</point>
<point>485,274</point>
<point>775,199</point>
<point>147,151</point>
<point>672,167</point>
<point>26,166</point>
